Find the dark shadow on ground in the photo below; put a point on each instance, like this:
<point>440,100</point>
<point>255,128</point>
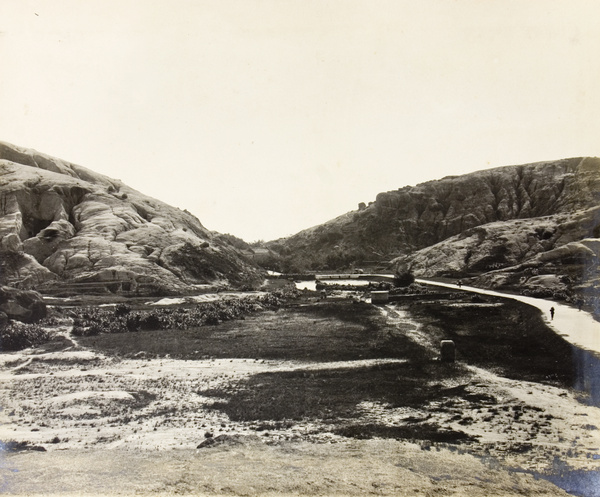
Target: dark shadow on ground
<point>509,338</point>
<point>334,396</point>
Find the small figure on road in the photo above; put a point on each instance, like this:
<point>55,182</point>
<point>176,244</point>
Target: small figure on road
<point>551,313</point>
<point>579,304</point>
<point>459,283</point>
<point>323,294</point>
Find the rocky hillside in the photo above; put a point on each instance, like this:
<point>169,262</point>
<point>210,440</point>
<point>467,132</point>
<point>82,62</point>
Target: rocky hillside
<point>467,225</point>
<point>64,228</point>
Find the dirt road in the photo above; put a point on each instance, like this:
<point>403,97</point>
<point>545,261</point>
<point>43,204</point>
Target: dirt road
<point>578,327</point>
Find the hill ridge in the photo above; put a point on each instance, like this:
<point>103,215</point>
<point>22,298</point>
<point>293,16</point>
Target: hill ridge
<point>64,226</point>
<point>462,225</point>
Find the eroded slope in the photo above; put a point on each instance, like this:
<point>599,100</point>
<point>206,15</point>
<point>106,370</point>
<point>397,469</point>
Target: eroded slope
<point>65,227</point>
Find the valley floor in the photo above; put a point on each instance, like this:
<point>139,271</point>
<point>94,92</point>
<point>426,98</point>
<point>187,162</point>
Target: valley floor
<point>332,397</point>
<point>579,328</point>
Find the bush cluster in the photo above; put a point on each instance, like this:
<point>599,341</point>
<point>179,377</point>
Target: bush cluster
<point>94,320</point>
<point>412,289</point>
<point>17,336</point>
<point>403,278</point>
<point>546,293</point>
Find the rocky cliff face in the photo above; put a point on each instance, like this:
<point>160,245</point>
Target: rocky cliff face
<point>66,228</point>
<point>431,212</point>
<point>550,256</point>
<point>461,226</point>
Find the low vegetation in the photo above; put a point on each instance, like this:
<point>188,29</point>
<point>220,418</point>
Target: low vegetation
<point>403,277</point>
<point>17,336</point>
<point>317,331</point>
<point>95,320</point>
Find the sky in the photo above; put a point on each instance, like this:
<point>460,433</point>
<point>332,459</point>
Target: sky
<point>266,117</point>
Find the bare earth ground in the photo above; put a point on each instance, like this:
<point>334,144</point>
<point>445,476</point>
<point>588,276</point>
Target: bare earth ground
<point>317,398</point>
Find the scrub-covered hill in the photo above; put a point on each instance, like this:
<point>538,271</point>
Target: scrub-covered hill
<point>66,228</point>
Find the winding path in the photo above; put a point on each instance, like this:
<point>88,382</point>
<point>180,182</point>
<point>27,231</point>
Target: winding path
<point>578,327</point>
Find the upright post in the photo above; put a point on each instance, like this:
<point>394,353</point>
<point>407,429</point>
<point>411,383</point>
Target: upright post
<point>448,351</point>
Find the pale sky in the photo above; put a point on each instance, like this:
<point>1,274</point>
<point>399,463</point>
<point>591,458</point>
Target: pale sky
<point>265,117</point>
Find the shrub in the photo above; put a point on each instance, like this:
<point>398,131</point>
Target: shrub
<point>78,331</point>
<point>211,317</point>
<point>117,326</point>
<point>150,321</point>
<point>132,322</point>
<point>18,336</point>
<point>92,320</point>
<point>122,309</point>
<point>403,278</point>
<point>95,329</point>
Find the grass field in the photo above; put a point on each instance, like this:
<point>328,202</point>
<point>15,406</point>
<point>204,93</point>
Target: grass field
<point>493,334</point>
<point>330,331</point>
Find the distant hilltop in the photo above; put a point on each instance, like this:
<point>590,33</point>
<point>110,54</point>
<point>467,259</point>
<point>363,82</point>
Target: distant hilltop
<point>66,229</point>
<point>531,227</point>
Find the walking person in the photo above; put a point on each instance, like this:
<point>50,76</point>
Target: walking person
<point>551,313</point>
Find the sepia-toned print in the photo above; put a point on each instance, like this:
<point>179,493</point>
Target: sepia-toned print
<point>272,248</point>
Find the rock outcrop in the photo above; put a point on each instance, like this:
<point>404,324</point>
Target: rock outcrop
<point>23,305</point>
<point>545,214</point>
<point>64,228</point>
